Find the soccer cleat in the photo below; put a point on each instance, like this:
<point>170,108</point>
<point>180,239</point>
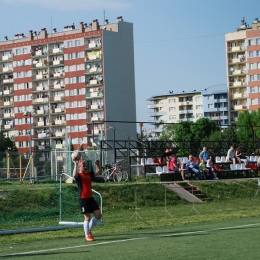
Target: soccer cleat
<point>89,237</point>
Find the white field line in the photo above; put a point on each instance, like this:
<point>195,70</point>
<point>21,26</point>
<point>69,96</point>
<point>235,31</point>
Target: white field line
<point>131,239</point>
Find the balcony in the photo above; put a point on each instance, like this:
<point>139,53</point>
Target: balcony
<point>42,135</point>
<point>240,107</point>
<point>239,83</point>
<point>57,50</point>
<point>57,74</point>
<point>8,115</point>
<point>94,94</point>
<point>8,92</point>
<point>59,146</point>
<point>57,62</point>
<point>237,72</point>
<point>41,123</point>
<point>39,88</point>
<point>58,110</point>
<point>41,100</point>
<point>59,122</point>
<point>59,134</point>
<point>240,95</point>
<point>41,76</point>
<point>6,69</point>
<point>58,98</point>
<point>93,82</point>
<point>8,103</point>
<point>40,112</point>
<point>94,107</point>
<point>8,127</point>
<point>41,147</point>
<point>7,57</point>
<point>236,49</point>
<point>95,118</point>
<point>8,80</point>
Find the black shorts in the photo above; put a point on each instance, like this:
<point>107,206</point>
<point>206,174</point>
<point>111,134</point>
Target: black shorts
<point>88,205</point>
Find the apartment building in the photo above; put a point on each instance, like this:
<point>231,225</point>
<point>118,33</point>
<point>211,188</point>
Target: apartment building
<point>215,106</point>
<point>76,85</point>
<point>174,108</point>
<point>243,68</point>
<point>211,103</point>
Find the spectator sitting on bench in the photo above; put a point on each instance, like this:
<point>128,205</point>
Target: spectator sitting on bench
<point>210,165</point>
<point>231,155</point>
<point>191,166</point>
<point>167,155</point>
<point>203,169</point>
<point>175,165</point>
<point>239,154</point>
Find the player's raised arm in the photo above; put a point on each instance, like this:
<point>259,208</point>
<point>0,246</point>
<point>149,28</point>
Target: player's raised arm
<point>75,170</point>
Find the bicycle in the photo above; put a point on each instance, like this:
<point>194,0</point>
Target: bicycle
<point>112,173</point>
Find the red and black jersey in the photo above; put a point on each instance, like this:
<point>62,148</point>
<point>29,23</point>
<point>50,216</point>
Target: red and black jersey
<point>84,184</point>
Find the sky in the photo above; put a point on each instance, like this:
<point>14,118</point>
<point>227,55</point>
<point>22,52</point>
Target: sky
<point>179,44</point>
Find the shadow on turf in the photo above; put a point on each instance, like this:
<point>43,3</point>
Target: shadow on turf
<point>20,255</point>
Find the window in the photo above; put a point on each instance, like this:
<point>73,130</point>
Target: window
<point>210,106</point>
<point>258,76</point>
<point>210,97</point>
<point>251,66</point>
<point>78,79</point>
<point>172,109</point>
<point>258,53</point>
<point>258,65</point>
<point>257,41</point>
<point>198,98</point>
<point>199,115</point>
<point>77,42</point>
<point>251,78</point>
<point>249,42</point>
<point>252,90</point>
<point>172,117</point>
<point>198,107</point>
<point>172,100</point>
<point>25,50</point>
<point>251,54</point>
<point>20,144</point>
<point>69,44</point>
<point>69,56</point>
<point>77,55</point>
<point>18,51</point>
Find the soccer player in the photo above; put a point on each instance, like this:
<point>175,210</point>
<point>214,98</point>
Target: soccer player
<point>87,203</point>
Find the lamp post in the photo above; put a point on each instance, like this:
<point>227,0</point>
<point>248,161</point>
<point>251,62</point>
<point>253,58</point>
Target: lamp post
<point>26,113</point>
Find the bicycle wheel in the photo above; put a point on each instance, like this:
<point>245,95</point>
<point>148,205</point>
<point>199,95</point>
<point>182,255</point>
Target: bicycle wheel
<point>117,176</point>
<point>105,175</point>
<point>124,176</point>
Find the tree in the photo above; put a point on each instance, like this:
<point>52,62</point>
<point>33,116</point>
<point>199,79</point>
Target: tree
<point>6,143</point>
